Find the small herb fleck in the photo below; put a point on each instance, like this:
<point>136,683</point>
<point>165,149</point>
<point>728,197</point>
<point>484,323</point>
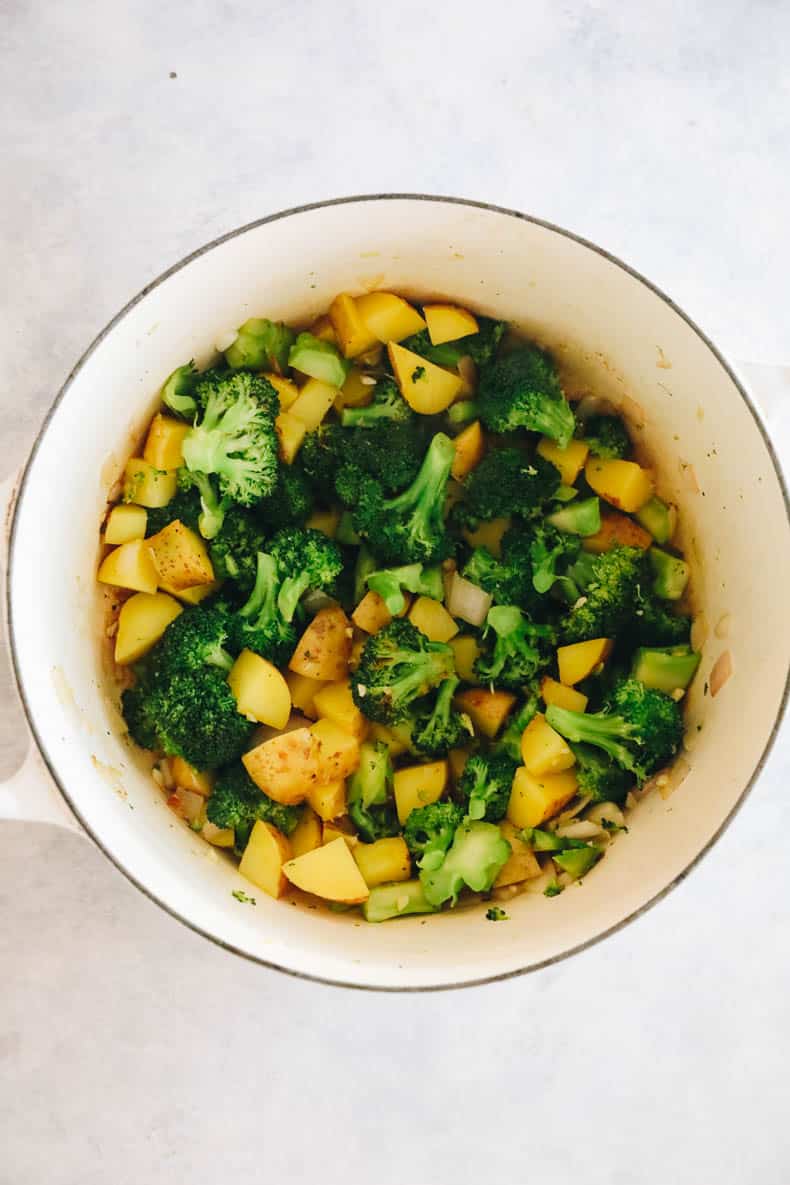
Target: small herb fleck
<point>553,889</point>
<point>495,914</point>
<point>418,373</point>
<point>241,896</point>
<point>610,825</point>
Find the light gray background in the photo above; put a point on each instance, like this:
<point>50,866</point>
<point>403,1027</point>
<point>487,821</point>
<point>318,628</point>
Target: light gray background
<point>132,1051</point>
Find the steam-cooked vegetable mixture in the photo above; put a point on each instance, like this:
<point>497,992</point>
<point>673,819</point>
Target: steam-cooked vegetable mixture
<point>401,625</point>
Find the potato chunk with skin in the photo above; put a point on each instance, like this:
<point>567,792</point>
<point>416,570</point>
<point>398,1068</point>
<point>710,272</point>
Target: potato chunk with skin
<point>426,387</point>
<point>181,557</point>
<point>141,622</point>
<point>303,692</point>
<point>371,614</point>
<point>433,620</point>
<point>617,530</point>
<point>164,441</point>
<point>384,861</point>
<point>266,852</point>
<point>622,483</point>
<point>579,659</point>
<point>338,751</point>
<point>521,864</point>
<point>130,566</point>
<point>487,709</point>
<point>470,445</point>
<point>324,648</point>
<point>533,800</point>
<point>329,800</point>
<point>447,322</point>
<point>260,691</point>
<point>353,335</point>
<point>335,702</point>
<point>286,766</point>
<point>146,485</point>
<point>307,833</point>
<point>418,785</point>
<point>543,750</point>
<point>329,872</point>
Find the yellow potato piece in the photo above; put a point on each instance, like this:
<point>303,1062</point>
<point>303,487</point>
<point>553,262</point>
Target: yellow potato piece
<point>303,692</point>
<point>489,535</point>
<point>617,530</point>
<point>290,433</point>
<point>467,652</point>
<point>543,750</point>
<point>335,702</point>
<point>447,322</point>
<point>197,780</point>
<point>433,620</point>
<point>470,447</point>
<point>324,521</point>
<point>562,696</point>
<point>384,861</point>
<point>130,566</point>
<point>146,485</point>
<point>331,831</point>
<point>533,800</point>
<point>622,483</point>
<point>329,800</point>
<point>181,557</point>
<point>487,709</point>
<point>125,523</point>
<point>266,852</point>
<point>142,621</point>
<point>417,785</point>
<point>353,335</point>
<point>307,834</point>
<point>579,659</point>
<point>324,648</point>
<point>260,691</point>
<point>324,330</point>
<point>569,460</point>
<point>521,864</point>
<point>194,595</point>
<point>338,751</point>
<point>457,759</point>
<point>329,872</point>
<point>354,392</point>
<point>426,388</point>
<point>218,837</point>
<point>285,388</point>
<point>371,614</point>
<point>286,766</point>
<point>390,318</point>
<point>313,402</point>
<point>163,442</point>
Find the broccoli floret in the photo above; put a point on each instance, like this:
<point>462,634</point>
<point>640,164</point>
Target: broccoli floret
<point>397,666</point>
<point>193,714</point>
<point>509,742</point>
<point>522,390</point>
<point>506,583</point>
<point>611,596</point>
<point>237,802</point>
<point>370,802</point>
<point>551,552</point>
<point>640,729</point>
<point>410,528</point>
<point>178,391</point>
<point>439,727</point>
<point>306,558</point>
<point>234,550</point>
<point>259,625</point>
<point>480,347</point>
<point>475,857</point>
<point>508,481</point>
<point>184,506</point>
<point>137,710</point>
<point>430,830</point>
<point>599,777</point>
<point>290,502</point>
<point>194,639</point>
<point>261,345</point>
<point>390,452</point>
<point>231,453</point>
<point>519,650</point>
<point>653,624</point>
<point>388,406</point>
<point>390,582</point>
<point>607,437</point>
<point>485,785</point>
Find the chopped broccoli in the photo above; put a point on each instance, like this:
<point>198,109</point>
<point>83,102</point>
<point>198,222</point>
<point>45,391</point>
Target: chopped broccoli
<point>370,802</point>
<point>670,574</point>
<point>439,728</point>
<point>389,583</point>
<point>578,861</point>
<point>462,413</point>
<point>396,901</point>
<point>550,549</point>
<point>319,359</point>
<point>194,639</point>
<point>390,452</point>
<point>474,859</point>
<point>607,437</point>
<point>667,668</point>
<point>641,729</point>
<point>653,624</point>
<point>388,406</point>
<point>509,742</point>
<point>522,390</point>
<point>259,625</point>
<point>178,391</point>
<point>485,785</point>
<point>261,345</point>
<point>578,518</point>
<point>519,649</point>
<point>599,777</point>
<point>611,595</point>
<point>507,481</point>
<point>409,528</point>
<point>234,550</point>
<point>506,583</point>
<point>237,802</point>
<point>495,914</point>
<point>184,506</point>
<point>429,831</point>
<point>480,347</point>
<point>290,503</point>
<point>138,709</point>
<point>397,666</point>
<point>306,558</point>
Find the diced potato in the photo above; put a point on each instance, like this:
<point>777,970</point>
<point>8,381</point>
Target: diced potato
<point>181,557</point>
<point>266,852</point>
<point>371,614</point>
<point>285,388</point>
<point>353,335</point>
<point>324,648</point>
<point>324,330</point>
<point>338,751</point>
<point>218,837</point>
<point>396,741</point>
<point>329,800</point>
<point>521,865</point>
<point>569,460</point>
<point>307,834</point>
<point>457,759</point>
<point>384,861</point>
<point>622,483</point>
<point>130,566</point>
<point>467,652</point>
<point>194,595</point>
<point>390,318</point>
<point>562,696</point>
<point>146,485</point>
<point>354,392</point>
<point>489,535</point>
<point>286,766</point>
<point>433,620</point>
<point>372,357</point>
<point>290,433</point>
<point>260,691</point>
<point>334,702</point>
<point>125,523</point>
<point>534,800</point>
<point>487,709</point>
<point>313,402</point>
<point>331,831</point>
<point>617,530</point>
<point>580,659</point>
<point>447,322</point>
<point>164,441</point>
<point>324,521</point>
<point>199,781</point>
<point>543,750</point>
<point>142,621</point>
<point>357,646</point>
<point>469,449</point>
<point>303,691</point>
<point>329,872</point>
<point>426,388</point>
<point>417,785</point>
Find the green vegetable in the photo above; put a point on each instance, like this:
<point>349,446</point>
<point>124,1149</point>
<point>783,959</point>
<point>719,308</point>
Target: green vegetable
<point>480,347</point>
<point>607,437</point>
<point>178,391</point>
<point>241,896</point>
<point>462,413</point>
<point>305,558</point>
<point>439,727</point>
<point>237,802</point>
<point>259,624</point>
<point>612,590</point>
<point>551,549</point>
<point>495,914</point>
<point>389,583</point>
<point>387,406</point>
<point>553,889</point>
<point>599,776</point>
<point>396,667</point>
<point>261,345</point>
<point>519,651</point>
<point>657,518</point>
<point>291,501</point>
<point>195,639</point>
<point>430,830</point>
<point>389,451</point>
<point>234,550</point>
<point>184,506</point>
<point>670,574</point>
<point>485,786</point>
<point>507,481</point>
<point>578,861</point>
<point>319,359</point>
<point>522,390</point>
<point>509,742</point>
<point>579,518</point>
<point>345,532</point>
<point>396,901</point>
<point>474,860</point>
<point>668,668</point>
<point>370,802</point>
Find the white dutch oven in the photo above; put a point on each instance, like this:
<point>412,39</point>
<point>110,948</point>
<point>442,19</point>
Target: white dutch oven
<point>614,333</point>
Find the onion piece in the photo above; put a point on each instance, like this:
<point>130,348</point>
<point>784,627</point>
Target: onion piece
<point>466,600</point>
<point>606,810</point>
<point>722,671</point>
<point>581,829</point>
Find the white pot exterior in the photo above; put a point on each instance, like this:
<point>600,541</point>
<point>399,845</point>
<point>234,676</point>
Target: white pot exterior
<point>613,333</point>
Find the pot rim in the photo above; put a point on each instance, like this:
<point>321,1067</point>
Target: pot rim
<point>22,490</point>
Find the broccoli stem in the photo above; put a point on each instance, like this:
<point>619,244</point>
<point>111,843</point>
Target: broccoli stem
<point>213,509</point>
<point>607,732</point>
<point>259,606</point>
<point>291,591</point>
<point>424,499</point>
